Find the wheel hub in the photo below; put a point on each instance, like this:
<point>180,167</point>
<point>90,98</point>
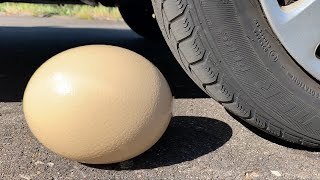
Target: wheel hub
<point>297,26</point>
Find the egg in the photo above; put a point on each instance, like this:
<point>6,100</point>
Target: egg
<point>97,104</point>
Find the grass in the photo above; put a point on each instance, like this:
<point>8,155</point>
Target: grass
<point>78,11</point>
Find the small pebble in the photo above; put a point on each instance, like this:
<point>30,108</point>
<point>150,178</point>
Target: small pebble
<point>50,164</point>
<point>22,176</point>
<point>276,173</point>
<point>38,162</point>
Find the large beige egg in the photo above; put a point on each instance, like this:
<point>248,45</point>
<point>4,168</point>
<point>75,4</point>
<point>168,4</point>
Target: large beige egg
<point>97,104</point>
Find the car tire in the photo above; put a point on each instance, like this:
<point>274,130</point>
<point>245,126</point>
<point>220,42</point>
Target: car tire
<point>229,49</point>
<point>139,17</point>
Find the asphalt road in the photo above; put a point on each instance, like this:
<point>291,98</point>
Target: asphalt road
<point>203,141</point>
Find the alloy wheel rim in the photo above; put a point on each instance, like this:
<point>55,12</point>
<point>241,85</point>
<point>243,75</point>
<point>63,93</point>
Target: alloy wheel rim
<point>297,26</point>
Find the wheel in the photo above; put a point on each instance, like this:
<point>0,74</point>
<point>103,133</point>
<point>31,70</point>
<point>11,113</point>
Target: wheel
<point>258,58</point>
<point>139,17</point>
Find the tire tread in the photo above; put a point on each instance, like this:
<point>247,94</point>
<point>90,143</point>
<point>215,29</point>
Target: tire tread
<point>183,35</point>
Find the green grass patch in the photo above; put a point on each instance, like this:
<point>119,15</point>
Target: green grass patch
<point>79,11</point>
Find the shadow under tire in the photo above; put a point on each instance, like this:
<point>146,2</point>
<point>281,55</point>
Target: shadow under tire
<point>228,48</point>
<point>138,16</point>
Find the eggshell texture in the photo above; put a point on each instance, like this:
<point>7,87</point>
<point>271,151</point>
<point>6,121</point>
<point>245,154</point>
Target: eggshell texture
<point>97,104</point>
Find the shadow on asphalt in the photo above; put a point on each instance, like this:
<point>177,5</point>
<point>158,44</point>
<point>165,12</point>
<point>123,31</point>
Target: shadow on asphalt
<point>24,49</point>
<point>180,143</point>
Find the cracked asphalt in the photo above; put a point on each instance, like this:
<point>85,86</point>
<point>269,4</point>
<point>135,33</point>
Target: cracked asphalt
<point>203,141</point>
